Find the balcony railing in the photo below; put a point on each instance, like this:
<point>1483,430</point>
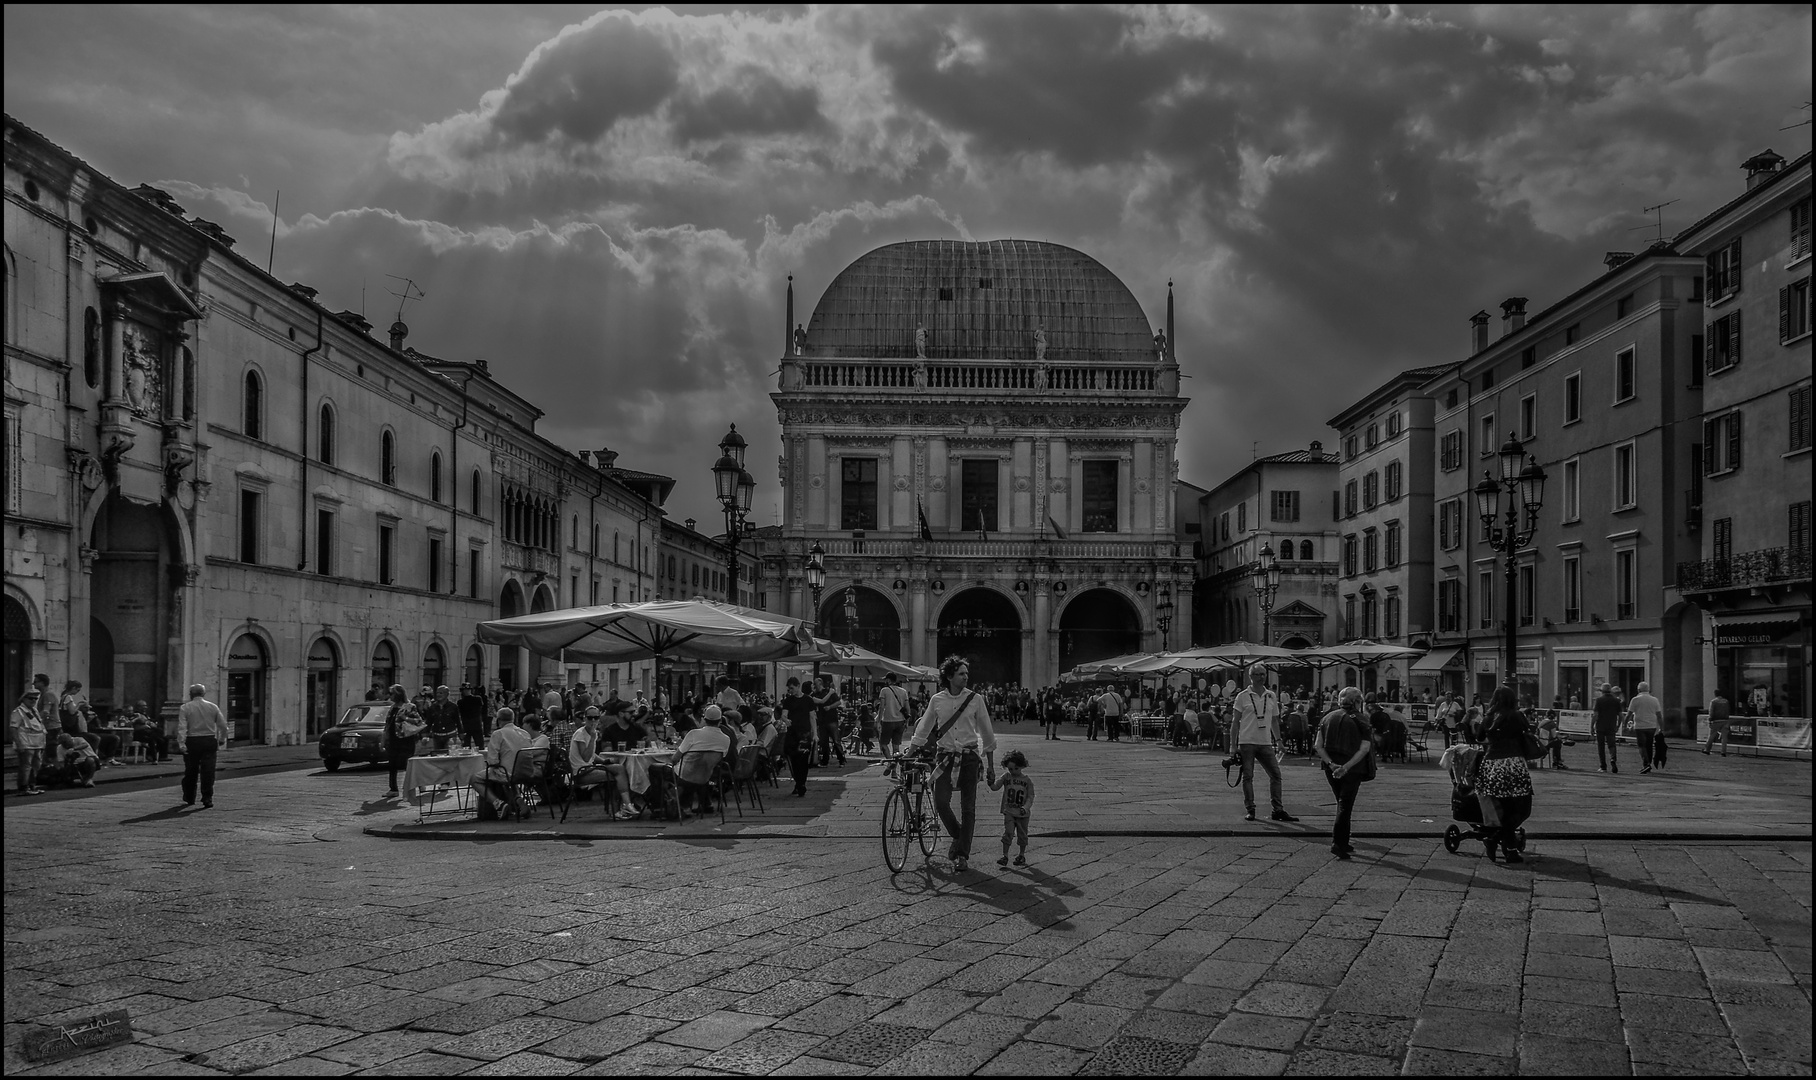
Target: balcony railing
<point>963,376</point>
<point>1768,566</point>
<point>1004,548</point>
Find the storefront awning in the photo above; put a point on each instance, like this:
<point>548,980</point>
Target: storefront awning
<point>1436,660</point>
<point>1755,632</point>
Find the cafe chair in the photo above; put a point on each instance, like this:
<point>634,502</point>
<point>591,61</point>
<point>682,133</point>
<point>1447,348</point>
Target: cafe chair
<point>694,774</point>
<point>739,774</point>
<point>528,775</point>
<point>1417,744</point>
<point>596,778</point>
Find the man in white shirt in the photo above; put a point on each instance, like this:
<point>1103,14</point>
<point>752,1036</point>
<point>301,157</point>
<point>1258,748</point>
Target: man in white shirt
<point>729,701</point>
<point>964,739</point>
<point>501,753</point>
<point>1112,705</point>
<point>203,732</point>
<point>1257,720</point>
<point>1643,713</point>
<point>892,714</point>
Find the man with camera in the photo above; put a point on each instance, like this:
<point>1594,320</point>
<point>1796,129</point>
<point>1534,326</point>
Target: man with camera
<point>1257,719</point>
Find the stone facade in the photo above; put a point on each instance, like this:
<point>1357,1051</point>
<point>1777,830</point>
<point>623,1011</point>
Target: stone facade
<point>212,478</point>
<point>982,438</point>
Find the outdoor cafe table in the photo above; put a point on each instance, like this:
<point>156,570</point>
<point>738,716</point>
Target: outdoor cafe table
<point>427,776</point>
<point>636,764</point>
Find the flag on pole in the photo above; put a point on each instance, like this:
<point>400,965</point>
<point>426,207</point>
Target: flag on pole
<point>1057,531</point>
<point>926,533</point>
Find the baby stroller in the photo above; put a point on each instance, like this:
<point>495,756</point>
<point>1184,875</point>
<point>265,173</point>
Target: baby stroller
<point>1460,760</point>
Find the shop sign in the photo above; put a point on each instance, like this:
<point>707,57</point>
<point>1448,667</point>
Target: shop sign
<point>1486,665</point>
<point>1528,666</point>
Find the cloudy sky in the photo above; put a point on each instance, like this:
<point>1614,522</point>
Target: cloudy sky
<point>605,204</point>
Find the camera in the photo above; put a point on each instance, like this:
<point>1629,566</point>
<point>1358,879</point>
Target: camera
<point>1233,761</point>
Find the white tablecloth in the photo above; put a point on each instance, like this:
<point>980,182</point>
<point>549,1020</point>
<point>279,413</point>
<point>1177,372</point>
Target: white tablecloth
<point>458,770</point>
<point>636,764</point>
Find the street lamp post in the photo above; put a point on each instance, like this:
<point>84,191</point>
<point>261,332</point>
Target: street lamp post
<point>1163,612</point>
<point>1525,489</point>
<point>1265,577</point>
<point>851,612</point>
<point>816,580</point>
<point>735,487</point>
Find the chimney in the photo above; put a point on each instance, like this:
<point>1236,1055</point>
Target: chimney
<point>1478,332</point>
<point>605,457</point>
<point>307,292</point>
<point>1513,314</point>
<point>355,319</point>
<point>398,333</point>
<point>1615,258</point>
<point>1761,167</point>
<point>690,524</point>
<point>585,456</point>
<point>1317,449</point>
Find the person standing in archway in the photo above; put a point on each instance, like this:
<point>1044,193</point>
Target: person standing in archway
<point>957,724</point>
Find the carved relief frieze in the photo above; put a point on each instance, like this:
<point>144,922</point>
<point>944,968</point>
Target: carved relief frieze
<point>901,483</point>
<point>141,360</point>
<point>1021,483</point>
<point>1061,485</point>
<point>938,483</point>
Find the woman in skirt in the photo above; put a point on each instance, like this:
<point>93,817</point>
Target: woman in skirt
<point>1502,781</point>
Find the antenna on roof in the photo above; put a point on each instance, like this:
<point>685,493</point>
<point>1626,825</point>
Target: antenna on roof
<point>405,297</point>
<point>1254,450</point>
<point>1800,123</point>
<point>1659,209</point>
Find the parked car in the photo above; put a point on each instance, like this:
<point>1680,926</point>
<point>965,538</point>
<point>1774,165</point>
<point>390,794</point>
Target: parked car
<point>360,735</point>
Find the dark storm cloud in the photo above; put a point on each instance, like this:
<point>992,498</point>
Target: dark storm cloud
<point>757,103</point>
<point>587,80</point>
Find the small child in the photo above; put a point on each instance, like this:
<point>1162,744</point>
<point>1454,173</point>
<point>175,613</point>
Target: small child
<point>1018,799</point>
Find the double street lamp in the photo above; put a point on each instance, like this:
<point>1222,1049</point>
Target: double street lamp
<point>1525,488</point>
<point>735,487</point>
<point>816,580</point>
<point>1264,574</point>
<point>1163,616</point>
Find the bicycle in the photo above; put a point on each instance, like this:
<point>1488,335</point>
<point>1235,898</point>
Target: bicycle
<point>908,814</point>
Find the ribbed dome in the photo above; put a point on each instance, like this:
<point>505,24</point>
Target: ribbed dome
<point>979,301</point>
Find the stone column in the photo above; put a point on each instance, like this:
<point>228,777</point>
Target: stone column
<point>817,480</point>
<point>1042,673</point>
<point>1021,489</point>
<point>917,621</point>
<point>1059,468</point>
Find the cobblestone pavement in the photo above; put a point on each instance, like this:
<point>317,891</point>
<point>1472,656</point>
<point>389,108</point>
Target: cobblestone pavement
<point>272,935</point>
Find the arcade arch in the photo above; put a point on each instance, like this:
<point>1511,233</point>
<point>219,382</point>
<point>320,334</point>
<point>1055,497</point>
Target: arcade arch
<point>879,621</point>
<point>1097,624</point>
<point>983,624</point>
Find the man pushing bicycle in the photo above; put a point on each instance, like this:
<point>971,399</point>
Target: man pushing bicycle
<point>957,725</point>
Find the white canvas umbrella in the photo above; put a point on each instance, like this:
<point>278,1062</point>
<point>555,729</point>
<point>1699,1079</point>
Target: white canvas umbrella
<point>1356,654</point>
<point>851,659</point>
<point>687,629</point>
<point>1231,654</point>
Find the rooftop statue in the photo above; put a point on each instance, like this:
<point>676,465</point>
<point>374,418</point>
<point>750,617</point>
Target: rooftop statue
<point>800,340</point>
<point>1040,343</point>
<point>920,341</point>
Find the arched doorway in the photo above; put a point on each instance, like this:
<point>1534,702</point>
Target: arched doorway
<point>434,666</point>
<point>322,687</point>
<point>246,678</point>
<point>982,624</point>
<point>132,601</point>
<point>878,628</point>
<point>475,674</point>
<point>16,673</point>
<point>1294,677</point>
<point>510,658</point>
<point>1096,625</point>
<point>384,666</point>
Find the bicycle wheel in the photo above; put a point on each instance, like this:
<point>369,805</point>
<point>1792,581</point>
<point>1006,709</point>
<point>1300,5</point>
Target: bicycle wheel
<point>897,830</point>
<point>929,820</point>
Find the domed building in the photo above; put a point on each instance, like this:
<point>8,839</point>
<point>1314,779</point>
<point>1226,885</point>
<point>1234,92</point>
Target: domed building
<point>981,438</point>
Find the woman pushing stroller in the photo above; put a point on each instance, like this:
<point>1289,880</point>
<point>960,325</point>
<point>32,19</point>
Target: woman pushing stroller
<point>1502,781</point>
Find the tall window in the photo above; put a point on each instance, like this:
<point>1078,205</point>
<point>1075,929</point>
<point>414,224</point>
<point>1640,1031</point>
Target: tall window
<point>1721,270</point>
<point>1371,550</point>
<point>1393,543</point>
<point>1450,524</point>
<point>1800,528</point>
<point>1396,482</point>
<point>1528,593</point>
<point>1371,622</point>
<point>1721,444</point>
<point>1571,483</point>
<point>1349,618</point>
<point>324,435</point>
<point>1242,516</point>
<point>1285,506</point>
<point>435,476</point>
<point>387,535</point>
<point>594,549</point>
<point>1529,412</point>
<point>857,493</point>
<point>434,564</point>
<point>1573,589</point>
<point>1099,503</point>
<point>387,459</point>
<point>1485,599</point>
<point>324,541</point>
<point>1573,397</point>
<point>1349,555</point>
<point>1486,446</point>
<point>1800,229</point>
<point>473,572</point>
<point>91,347</point>
<point>476,493</point>
<point>1371,490</point>
<point>1305,550</point>
<point>574,532</point>
<point>1393,424</point>
<point>1721,343</point>
<point>1451,453</point>
<point>252,407</point>
<point>1624,387</point>
<point>1800,417</point>
<point>251,520</point>
<point>1625,583</point>
<point>1794,310</point>
<point>1450,606</point>
<point>1721,545</point>
<point>1349,499</point>
<point>1626,483</point>
<point>977,502</point>
<point>1390,610</point>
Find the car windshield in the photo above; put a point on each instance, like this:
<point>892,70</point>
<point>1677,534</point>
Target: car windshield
<point>372,712</point>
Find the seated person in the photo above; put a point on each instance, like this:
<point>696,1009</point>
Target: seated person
<point>1552,738</point>
<point>75,761</point>
<point>501,751</point>
<point>80,722</point>
<point>709,739</point>
<point>750,729</point>
<point>588,769</point>
<point>147,731</point>
<point>618,732</point>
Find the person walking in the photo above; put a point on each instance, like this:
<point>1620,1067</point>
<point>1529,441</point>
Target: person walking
<point>826,704</point>
<point>204,733</point>
<point>472,710</point>
<point>1721,713</point>
<point>27,725</point>
<point>403,726</point>
<point>443,719</point>
<point>1018,801</point>
<point>1257,721</point>
<point>1502,775</point>
<point>1450,718</point>
<point>1607,724</point>
<point>892,714</point>
<point>957,724</point>
<point>1113,708</point>
<point>1346,751</point>
<point>1056,715</point>
<point>1643,713</point>
<point>797,738</point>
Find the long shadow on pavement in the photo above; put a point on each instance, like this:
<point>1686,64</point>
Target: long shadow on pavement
<point>160,815</point>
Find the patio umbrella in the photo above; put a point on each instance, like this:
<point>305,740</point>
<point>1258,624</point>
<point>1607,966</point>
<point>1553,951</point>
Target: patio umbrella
<point>1356,654</point>
<point>1111,666</point>
<point>849,659</point>
<point>1231,654</point>
<point>619,633</point>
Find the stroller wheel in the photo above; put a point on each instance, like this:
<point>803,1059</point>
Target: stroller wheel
<point>1453,839</point>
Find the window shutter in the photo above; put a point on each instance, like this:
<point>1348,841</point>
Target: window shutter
<point>1712,272</point>
<point>1708,455</point>
<point>1784,313</point>
<point>1734,338</point>
<point>1734,440</point>
<point>1734,265</point>
<point>1709,348</point>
